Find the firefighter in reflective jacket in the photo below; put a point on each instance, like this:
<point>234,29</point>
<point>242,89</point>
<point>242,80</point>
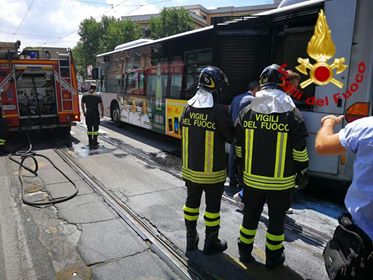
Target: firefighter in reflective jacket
<point>90,104</point>
<point>3,129</point>
<point>206,126</point>
<point>271,145</point>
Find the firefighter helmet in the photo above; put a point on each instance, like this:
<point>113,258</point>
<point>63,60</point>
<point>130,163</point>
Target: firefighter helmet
<point>212,79</point>
<point>271,76</point>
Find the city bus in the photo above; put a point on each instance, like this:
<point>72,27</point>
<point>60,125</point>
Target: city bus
<point>84,85</point>
<point>148,83</point>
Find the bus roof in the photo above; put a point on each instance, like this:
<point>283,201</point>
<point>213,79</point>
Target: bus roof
<point>132,44</point>
<point>160,40</point>
<point>290,7</point>
<point>270,12</point>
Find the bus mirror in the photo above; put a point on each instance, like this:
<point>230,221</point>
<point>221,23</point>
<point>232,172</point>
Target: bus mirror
<point>95,73</point>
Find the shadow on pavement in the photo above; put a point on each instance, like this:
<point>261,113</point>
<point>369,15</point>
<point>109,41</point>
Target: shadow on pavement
<point>323,196</point>
<point>154,139</point>
<point>223,266</point>
<point>40,139</point>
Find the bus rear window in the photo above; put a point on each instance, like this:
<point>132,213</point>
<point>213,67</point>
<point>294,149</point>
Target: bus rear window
<point>195,62</point>
<point>286,49</point>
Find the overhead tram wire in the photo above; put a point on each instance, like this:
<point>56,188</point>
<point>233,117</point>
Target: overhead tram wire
<point>104,4</point>
<point>31,34</point>
<point>114,7</point>
<point>64,36</point>
<point>142,5</point>
<point>46,35</point>
<point>71,33</point>
<point>92,2</point>
<point>23,19</point>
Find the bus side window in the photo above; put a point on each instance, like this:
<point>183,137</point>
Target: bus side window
<point>135,83</point>
<point>176,74</point>
<point>141,83</point>
<point>132,82</point>
<point>150,84</point>
<point>195,62</point>
<point>192,74</point>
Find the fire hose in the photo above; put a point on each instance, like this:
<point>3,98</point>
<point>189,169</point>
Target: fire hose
<point>19,156</point>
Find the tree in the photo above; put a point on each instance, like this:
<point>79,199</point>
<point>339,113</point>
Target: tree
<point>102,36</point>
<point>90,34</point>
<point>78,58</point>
<point>171,21</point>
<point>118,32</point>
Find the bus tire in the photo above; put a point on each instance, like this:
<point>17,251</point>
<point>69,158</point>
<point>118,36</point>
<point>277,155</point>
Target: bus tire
<point>115,113</point>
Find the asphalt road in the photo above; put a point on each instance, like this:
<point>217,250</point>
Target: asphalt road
<point>143,170</point>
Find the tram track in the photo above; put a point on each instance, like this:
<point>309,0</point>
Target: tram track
<point>157,242</point>
<point>302,232</point>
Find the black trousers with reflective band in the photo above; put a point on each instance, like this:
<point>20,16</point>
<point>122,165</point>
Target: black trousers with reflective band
<point>213,195</point>
<point>92,121</point>
<point>278,203</point>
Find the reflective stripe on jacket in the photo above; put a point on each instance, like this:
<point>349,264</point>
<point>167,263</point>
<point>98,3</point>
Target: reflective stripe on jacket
<point>271,148</point>
<point>204,133</point>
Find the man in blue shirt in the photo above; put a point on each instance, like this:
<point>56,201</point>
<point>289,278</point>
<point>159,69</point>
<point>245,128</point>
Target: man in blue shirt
<point>356,137</point>
<point>238,102</point>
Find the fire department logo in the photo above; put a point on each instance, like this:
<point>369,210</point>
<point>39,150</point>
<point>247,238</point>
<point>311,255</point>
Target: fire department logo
<point>321,48</point>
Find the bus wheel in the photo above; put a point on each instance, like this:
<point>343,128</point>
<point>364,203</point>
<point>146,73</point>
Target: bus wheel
<point>115,113</point>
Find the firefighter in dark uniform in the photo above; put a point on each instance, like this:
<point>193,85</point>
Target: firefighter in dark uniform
<point>206,126</point>
<point>271,144</point>
<point>90,104</point>
<point>3,129</point>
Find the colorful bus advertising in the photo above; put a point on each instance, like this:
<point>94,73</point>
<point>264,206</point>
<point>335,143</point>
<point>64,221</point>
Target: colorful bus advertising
<point>174,109</point>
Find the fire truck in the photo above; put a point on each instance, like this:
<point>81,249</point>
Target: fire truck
<point>38,88</point>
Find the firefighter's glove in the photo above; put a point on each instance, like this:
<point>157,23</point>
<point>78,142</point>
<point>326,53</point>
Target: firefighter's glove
<point>301,180</point>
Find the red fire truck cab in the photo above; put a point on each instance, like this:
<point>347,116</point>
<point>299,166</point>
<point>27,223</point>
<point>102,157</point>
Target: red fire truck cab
<point>38,88</point>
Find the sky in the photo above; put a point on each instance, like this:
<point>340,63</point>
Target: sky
<point>55,22</point>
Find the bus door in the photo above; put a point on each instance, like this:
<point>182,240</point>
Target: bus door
<point>138,108</point>
<point>243,52</point>
<point>340,18</point>
<point>157,80</point>
<point>293,31</point>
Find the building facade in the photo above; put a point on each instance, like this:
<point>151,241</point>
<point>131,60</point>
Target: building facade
<point>203,17</point>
